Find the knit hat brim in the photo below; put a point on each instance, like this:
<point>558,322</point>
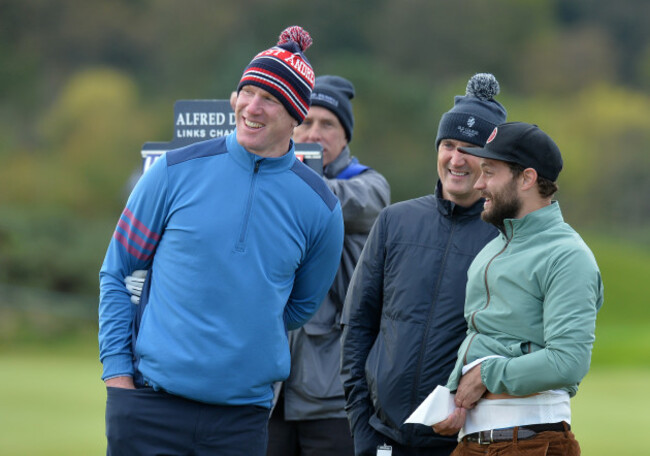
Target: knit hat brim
<point>334,94</point>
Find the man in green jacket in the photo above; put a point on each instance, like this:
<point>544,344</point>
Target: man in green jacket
<point>531,302</point>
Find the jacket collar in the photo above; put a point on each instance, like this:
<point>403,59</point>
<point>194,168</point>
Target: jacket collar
<point>448,208</point>
<point>534,222</point>
<point>339,164</point>
<point>247,160</point>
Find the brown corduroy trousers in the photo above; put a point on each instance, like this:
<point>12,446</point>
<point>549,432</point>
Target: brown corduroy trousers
<point>549,443</point>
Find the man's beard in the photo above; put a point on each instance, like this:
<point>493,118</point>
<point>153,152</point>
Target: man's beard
<point>504,205</point>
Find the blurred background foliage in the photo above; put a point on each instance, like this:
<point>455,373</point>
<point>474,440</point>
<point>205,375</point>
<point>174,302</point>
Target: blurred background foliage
<point>83,84</point>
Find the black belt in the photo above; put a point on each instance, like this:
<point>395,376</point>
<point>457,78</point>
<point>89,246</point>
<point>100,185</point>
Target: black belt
<point>508,434</point>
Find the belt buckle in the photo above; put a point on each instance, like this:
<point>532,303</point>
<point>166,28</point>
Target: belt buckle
<point>485,442</point>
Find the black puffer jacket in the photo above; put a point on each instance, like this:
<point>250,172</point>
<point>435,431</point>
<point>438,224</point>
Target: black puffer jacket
<point>403,315</point>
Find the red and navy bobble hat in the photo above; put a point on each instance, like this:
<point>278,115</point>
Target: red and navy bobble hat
<point>284,72</point>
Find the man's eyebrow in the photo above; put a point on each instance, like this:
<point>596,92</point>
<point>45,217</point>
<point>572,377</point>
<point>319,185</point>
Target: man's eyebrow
<point>487,163</point>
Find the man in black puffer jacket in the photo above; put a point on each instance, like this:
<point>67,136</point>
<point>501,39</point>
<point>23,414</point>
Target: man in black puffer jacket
<point>403,314</point>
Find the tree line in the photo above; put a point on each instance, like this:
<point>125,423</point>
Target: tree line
<point>83,84</point>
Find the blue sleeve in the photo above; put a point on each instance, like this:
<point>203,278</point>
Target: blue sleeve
<point>132,246</point>
<point>316,273</point>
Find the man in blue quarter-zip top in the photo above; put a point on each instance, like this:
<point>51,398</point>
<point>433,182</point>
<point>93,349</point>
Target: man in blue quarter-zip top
<point>531,303</point>
<point>242,242</point>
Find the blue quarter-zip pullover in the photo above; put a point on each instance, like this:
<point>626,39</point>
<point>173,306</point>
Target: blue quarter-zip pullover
<point>240,249</point>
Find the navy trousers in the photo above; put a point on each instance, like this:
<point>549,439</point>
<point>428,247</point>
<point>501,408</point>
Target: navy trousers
<point>153,423</point>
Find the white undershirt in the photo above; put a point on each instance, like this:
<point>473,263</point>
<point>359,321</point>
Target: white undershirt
<point>546,407</point>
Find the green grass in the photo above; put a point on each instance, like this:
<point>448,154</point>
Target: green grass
<point>52,403</point>
<point>625,269</point>
<point>610,411</point>
<point>622,344</point>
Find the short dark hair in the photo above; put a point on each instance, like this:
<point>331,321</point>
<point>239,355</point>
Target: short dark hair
<point>545,187</point>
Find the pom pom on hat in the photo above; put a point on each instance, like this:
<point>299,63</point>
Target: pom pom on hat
<point>284,72</point>
<point>475,114</point>
<point>483,86</point>
<point>296,34</point>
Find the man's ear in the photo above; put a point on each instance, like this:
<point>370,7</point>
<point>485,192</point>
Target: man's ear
<point>233,99</point>
<point>528,178</point>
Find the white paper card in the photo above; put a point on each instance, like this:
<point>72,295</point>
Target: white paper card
<point>384,450</point>
<point>435,408</point>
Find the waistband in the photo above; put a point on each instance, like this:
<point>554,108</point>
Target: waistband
<point>514,433</point>
<point>545,407</point>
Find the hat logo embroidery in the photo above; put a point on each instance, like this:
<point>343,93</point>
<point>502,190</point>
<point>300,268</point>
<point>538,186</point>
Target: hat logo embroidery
<point>325,98</point>
<point>466,131</point>
<point>492,135</point>
<point>471,121</point>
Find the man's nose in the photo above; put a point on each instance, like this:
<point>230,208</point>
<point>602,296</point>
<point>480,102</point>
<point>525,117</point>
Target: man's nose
<point>480,183</point>
<point>313,135</point>
<point>255,104</point>
<point>457,157</point>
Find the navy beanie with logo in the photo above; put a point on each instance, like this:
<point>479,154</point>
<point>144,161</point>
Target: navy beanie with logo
<point>334,93</point>
<point>474,115</point>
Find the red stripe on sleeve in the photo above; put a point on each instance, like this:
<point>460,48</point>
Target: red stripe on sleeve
<point>135,237</point>
<point>129,248</point>
<point>139,225</point>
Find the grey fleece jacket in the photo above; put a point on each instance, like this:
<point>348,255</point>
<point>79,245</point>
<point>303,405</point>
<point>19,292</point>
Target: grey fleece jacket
<point>314,389</point>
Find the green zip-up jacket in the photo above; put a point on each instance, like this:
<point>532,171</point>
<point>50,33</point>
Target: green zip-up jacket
<point>532,297</point>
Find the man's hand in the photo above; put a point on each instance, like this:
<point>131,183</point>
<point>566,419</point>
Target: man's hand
<point>470,389</point>
<point>134,284</point>
<point>452,424</point>
<point>120,382</point>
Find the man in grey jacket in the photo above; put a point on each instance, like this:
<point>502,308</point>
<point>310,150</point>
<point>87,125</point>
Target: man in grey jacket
<point>403,315</point>
<point>309,417</point>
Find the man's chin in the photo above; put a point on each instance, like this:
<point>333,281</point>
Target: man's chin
<point>247,139</point>
<point>251,146</point>
<point>487,216</point>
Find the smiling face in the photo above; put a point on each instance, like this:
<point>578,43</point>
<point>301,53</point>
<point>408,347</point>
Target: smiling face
<point>458,172</point>
<point>264,126</point>
<point>322,126</point>
<point>499,187</point>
